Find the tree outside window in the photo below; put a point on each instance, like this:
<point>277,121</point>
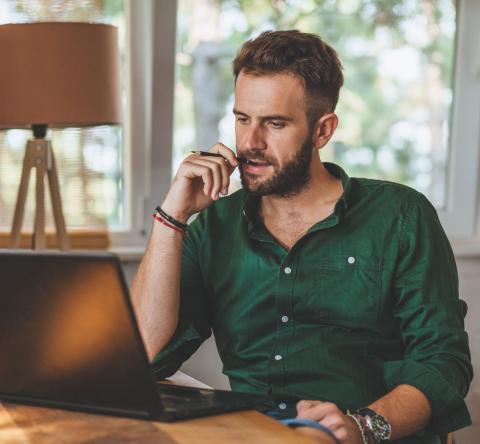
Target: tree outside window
<point>395,105</point>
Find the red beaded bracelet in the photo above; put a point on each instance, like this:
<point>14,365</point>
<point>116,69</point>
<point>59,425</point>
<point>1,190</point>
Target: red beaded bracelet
<point>164,222</point>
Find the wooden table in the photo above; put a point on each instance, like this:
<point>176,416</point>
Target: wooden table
<point>41,425</point>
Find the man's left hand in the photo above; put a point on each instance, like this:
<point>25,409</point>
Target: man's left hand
<point>329,415</point>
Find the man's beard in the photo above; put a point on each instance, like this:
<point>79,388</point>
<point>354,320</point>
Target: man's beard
<point>285,182</point>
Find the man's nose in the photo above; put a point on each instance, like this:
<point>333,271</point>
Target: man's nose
<point>253,138</point>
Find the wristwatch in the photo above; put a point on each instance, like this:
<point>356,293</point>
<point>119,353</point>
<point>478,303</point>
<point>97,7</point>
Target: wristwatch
<point>378,425</point>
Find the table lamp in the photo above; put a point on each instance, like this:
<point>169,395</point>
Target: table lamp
<point>54,75</point>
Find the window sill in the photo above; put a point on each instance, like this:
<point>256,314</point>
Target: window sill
<point>83,240</point>
<point>79,240</point>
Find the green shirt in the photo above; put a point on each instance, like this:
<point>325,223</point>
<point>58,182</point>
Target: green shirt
<point>366,300</point>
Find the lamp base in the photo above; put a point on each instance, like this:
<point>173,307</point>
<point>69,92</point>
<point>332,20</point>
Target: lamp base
<point>39,155</point>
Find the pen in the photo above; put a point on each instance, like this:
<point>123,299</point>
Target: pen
<point>209,154</point>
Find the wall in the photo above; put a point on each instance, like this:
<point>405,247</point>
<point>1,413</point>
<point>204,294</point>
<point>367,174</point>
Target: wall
<point>206,366</point>
<point>469,274</point>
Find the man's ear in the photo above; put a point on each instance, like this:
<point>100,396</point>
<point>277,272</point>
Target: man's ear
<point>324,129</point>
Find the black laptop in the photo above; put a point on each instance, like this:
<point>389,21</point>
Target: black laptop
<point>69,339</point>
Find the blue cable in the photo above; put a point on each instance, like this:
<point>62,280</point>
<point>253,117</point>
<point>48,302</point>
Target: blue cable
<point>294,422</point>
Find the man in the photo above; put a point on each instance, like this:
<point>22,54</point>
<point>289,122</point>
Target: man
<point>330,294</point>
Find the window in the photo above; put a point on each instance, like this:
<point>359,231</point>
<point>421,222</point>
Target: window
<point>401,108</point>
<point>180,52</point>
<point>136,168</point>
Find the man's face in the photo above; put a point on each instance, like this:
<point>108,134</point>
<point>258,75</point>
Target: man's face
<point>272,133</point>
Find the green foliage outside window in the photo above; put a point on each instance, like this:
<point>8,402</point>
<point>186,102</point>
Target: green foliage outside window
<point>395,105</point>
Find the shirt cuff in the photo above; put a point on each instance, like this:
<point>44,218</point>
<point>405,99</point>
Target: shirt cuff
<point>449,412</point>
<point>181,346</point>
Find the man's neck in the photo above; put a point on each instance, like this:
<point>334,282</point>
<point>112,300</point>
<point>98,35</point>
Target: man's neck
<point>322,190</point>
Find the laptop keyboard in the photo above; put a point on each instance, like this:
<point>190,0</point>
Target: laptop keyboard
<point>175,395</point>
<point>181,398</point>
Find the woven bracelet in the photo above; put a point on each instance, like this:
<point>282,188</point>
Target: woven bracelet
<point>164,222</point>
<point>170,219</point>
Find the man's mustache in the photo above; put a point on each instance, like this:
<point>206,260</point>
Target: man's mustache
<point>253,155</point>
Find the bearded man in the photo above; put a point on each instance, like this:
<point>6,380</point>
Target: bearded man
<point>337,297</point>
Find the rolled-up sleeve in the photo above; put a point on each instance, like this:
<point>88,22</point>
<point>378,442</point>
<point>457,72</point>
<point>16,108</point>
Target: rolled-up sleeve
<point>194,325</point>
<point>431,320</point>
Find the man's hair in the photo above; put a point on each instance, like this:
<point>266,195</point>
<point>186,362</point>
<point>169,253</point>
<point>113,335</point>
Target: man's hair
<point>304,55</point>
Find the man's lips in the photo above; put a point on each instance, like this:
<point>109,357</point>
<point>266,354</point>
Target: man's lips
<point>252,161</point>
<point>255,166</point>
<point>256,162</point>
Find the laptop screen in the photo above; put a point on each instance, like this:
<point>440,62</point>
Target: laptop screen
<point>68,333</point>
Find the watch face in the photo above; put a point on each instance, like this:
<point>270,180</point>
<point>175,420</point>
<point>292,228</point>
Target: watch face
<point>377,423</point>
<point>380,427</point>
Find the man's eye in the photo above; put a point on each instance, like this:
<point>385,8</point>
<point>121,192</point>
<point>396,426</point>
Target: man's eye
<point>242,119</point>
<point>277,125</point>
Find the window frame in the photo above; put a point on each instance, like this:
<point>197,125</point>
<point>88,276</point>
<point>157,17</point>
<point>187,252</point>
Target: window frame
<point>148,125</point>
<point>460,215</point>
<point>133,233</point>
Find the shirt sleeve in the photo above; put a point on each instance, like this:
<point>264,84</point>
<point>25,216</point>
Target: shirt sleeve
<point>431,320</point>
<point>194,325</point>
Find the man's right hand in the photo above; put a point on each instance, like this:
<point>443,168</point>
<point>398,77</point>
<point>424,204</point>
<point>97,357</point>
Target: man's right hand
<point>199,182</point>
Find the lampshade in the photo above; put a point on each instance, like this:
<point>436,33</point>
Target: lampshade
<point>60,74</point>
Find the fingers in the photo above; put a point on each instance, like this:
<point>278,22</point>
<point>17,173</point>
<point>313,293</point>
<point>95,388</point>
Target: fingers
<point>318,410</point>
<point>193,170</point>
<point>220,174</point>
<point>333,421</point>
<point>327,414</point>
<point>226,152</point>
<point>214,173</point>
<point>305,404</point>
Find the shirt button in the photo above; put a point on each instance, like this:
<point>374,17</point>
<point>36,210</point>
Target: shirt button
<point>282,406</point>
<point>351,260</point>
<point>284,319</point>
<point>287,270</point>
<point>278,357</point>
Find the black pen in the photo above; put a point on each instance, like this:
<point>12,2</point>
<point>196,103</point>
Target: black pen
<point>209,154</point>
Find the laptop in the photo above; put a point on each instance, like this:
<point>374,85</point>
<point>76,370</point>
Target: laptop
<point>69,339</point>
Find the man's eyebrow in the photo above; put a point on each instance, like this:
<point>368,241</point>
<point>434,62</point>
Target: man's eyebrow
<point>236,112</point>
<point>271,117</point>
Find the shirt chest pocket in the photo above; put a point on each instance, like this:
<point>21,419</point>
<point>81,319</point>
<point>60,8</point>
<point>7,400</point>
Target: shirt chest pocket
<point>344,290</point>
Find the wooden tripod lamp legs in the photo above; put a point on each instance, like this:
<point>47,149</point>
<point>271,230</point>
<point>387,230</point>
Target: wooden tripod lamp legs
<point>39,155</point>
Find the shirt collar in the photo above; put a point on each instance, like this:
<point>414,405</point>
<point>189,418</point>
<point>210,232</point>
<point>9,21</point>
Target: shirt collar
<point>250,203</point>
<point>340,173</point>
<point>250,209</point>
